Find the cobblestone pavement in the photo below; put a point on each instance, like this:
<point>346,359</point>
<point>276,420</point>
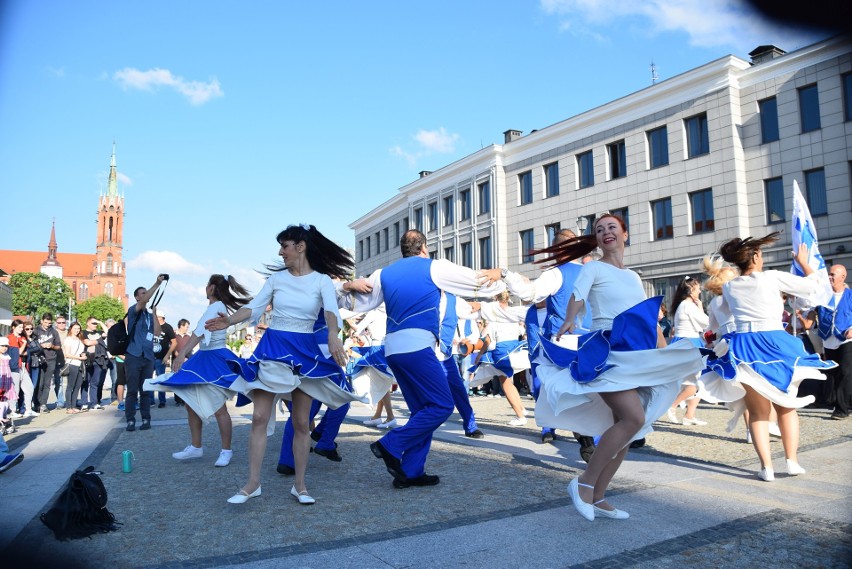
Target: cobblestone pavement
<point>692,492</point>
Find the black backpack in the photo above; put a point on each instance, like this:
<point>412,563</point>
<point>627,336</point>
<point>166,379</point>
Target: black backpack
<point>80,509</point>
<point>118,336</point>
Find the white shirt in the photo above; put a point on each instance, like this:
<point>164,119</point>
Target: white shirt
<point>296,301</point>
<point>211,340</point>
<point>756,298</point>
<point>609,290</point>
<point>721,319</point>
<point>689,321</point>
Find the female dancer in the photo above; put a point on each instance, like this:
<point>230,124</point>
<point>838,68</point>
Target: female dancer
<point>616,384</point>
<point>690,321</point>
<point>287,360</point>
<point>369,368</point>
<point>765,360</point>
<point>203,382</point>
<point>75,355</point>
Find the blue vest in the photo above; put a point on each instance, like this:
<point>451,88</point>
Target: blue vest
<point>835,322</point>
<point>411,298</point>
<point>140,345</point>
<point>448,325</point>
<point>557,303</point>
<point>533,331</point>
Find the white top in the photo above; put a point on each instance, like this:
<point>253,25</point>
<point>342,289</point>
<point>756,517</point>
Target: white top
<point>721,319</point>
<point>690,321</point>
<point>755,299</point>
<point>296,301</point>
<point>609,290</point>
<point>374,325</point>
<point>502,332</point>
<point>832,342</point>
<point>547,284</point>
<point>212,340</point>
<point>73,346</point>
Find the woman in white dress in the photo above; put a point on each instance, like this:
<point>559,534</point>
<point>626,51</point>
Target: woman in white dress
<point>618,381</point>
<point>690,321</point>
<point>288,361</point>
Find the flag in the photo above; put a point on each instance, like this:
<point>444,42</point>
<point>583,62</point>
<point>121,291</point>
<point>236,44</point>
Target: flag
<point>804,231</point>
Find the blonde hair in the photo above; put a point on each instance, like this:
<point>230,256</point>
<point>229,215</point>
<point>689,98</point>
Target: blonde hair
<point>718,273</point>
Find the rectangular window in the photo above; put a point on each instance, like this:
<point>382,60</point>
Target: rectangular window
<point>773,189</point>
<point>484,191</point>
<point>396,234</point>
<point>768,119</point>
<point>418,219</point>
<point>809,108</point>
<point>464,205</point>
<point>585,169</point>
<point>527,244</point>
<point>448,210</point>
<point>624,214</point>
<point>815,192</point>
<point>617,152</point>
<point>551,231</point>
<point>658,147</point>
<point>405,225</point>
<point>361,250</point>
<point>466,255</point>
<point>485,252</point>
<point>433,216</point>
<point>386,237</point>
<point>847,96</point>
<point>662,213</point>
<point>551,179</point>
<point>525,187</point>
<point>369,251</point>
<point>697,138</point>
<point>590,224</point>
<point>433,254</point>
<point>701,203</point>
<point>450,254</point>
<point>378,244</point>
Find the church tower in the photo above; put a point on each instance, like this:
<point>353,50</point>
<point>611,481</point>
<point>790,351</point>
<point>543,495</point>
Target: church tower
<point>109,266</point>
<point>51,266</point>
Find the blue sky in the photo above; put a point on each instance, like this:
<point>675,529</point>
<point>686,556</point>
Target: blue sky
<point>234,119</point>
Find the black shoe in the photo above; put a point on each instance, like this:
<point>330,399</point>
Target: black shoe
<point>392,463</point>
<point>315,436</point>
<point>547,437</point>
<point>839,416</point>
<point>475,434</point>
<point>587,446</point>
<point>131,426</point>
<point>286,470</point>
<point>638,443</point>
<point>146,424</point>
<point>160,405</point>
<point>424,480</point>
<point>332,454</point>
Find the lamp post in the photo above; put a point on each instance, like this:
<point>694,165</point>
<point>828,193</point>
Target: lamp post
<point>582,224</point>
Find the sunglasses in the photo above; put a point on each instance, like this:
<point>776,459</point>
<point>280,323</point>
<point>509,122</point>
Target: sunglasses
<point>28,329</point>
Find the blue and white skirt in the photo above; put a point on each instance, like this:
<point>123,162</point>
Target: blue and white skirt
<point>608,361</point>
<point>698,343</point>
<point>370,373</point>
<point>506,359</point>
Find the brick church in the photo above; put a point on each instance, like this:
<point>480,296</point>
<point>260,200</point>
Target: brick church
<point>87,274</point>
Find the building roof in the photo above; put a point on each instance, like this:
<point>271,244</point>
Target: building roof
<point>73,264</point>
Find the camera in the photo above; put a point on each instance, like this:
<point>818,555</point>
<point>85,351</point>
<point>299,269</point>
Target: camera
<point>165,276</point>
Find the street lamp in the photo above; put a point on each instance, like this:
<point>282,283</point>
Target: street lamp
<point>582,224</point>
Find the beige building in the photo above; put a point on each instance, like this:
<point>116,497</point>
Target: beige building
<point>689,162</point>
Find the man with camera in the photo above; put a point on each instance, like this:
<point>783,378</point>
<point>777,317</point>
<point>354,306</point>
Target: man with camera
<point>139,359</point>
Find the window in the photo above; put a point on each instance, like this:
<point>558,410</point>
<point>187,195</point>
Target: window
<point>450,253</point>
<point>433,216</point>
<point>485,252</point>
<point>697,139</point>
<point>433,254</point>
<point>484,191</point>
<point>525,185</point>
<point>815,191</point>
<point>551,179</point>
<point>466,255</point>
<point>396,234</point>
<point>847,96</point>
<point>448,210</point>
<point>701,204</point>
<point>768,119</point>
<point>405,225</point>
<point>617,159</point>
<point>624,214</point>
<point>464,205</point>
<point>369,252</point>
<point>658,147</point>
<point>378,244</point>
<point>590,224</point>
<point>551,231</point>
<point>527,244</point>
<point>386,236</point>
<point>809,108</point>
<point>585,169</point>
<point>773,188</point>
<point>418,219</point>
<point>83,292</point>
<point>361,250</point>
<point>662,213</point>
<point>110,265</point>
<point>109,290</point>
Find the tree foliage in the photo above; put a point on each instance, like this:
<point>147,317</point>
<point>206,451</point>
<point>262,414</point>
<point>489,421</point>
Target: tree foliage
<point>102,307</point>
<point>33,294</point>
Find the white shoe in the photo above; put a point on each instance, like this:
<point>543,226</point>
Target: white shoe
<point>31,413</point>
<point>695,422</point>
<point>224,458</point>
<point>241,497</point>
<point>17,416</point>
<point>774,430</point>
<point>672,416</point>
<point>188,452</point>
<point>518,421</point>
<point>374,422</point>
<point>614,513</point>
<point>583,508</point>
<point>748,436</point>
<point>388,424</point>
<point>793,468</point>
<point>766,474</point>
<point>303,497</point>
<point>682,404</point>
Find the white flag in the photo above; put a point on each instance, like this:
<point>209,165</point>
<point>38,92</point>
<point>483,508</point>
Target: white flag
<point>804,231</point>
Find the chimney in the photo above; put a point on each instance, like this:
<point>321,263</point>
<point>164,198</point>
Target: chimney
<point>511,135</point>
<point>424,173</point>
<point>764,53</point>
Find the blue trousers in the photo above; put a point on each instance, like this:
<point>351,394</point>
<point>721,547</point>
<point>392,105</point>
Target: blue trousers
<point>328,428</point>
<point>424,385</point>
<point>458,390</point>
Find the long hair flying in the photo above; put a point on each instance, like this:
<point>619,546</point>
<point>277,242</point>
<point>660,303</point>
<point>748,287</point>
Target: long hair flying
<point>740,252</point>
<point>232,294</point>
<point>575,248</point>
<point>324,255</point>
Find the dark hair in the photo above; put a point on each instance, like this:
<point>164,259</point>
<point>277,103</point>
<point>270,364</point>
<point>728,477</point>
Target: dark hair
<point>137,289</point>
<point>573,248</point>
<point>324,256</point>
<point>47,316</point>
<point>741,252</point>
<point>222,289</point>
<point>17,322</point>
<point>411,243</point>
<point>682,291</point>
<point>76,323</point>
<point>182,321</point>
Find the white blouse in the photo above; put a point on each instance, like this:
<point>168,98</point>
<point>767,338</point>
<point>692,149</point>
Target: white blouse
<point>755,299</point>
<point>609,290</point>
<point>690,321</point>
<point>296,301</point>
<point>215,339</point>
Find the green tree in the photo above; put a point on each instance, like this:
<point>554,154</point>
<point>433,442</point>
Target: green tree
<point>33,294</point>
<point>102,307</point>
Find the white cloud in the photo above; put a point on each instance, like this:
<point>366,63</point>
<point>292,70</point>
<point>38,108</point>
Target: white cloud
<point>407,156</point>
<point>165,262</point>
<point>428,142</point>
<point>708,23</point>
<point>197,92</point>
<point>124,179</point>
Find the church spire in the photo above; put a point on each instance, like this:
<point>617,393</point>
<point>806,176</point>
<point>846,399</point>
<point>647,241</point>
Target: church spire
<point>112,190</point>
<point>51,265</point>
